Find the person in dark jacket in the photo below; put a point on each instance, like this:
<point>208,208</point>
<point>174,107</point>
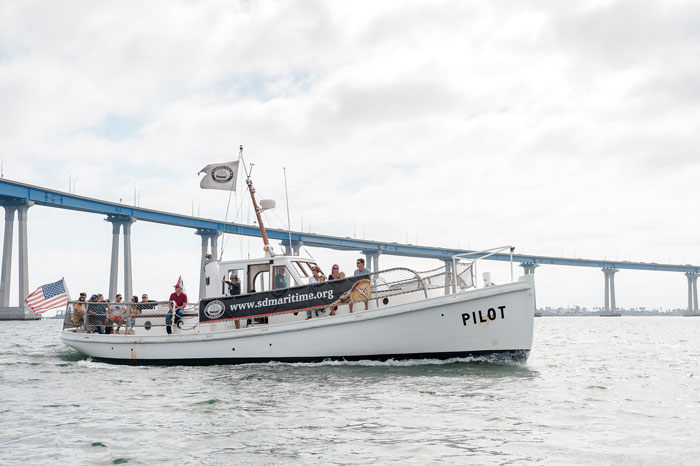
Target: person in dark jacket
<point>234,286</point>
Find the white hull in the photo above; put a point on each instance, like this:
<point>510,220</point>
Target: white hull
<point>440,327</point>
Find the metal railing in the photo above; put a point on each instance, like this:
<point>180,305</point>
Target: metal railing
<point>124,318</point>
<point>481,255</point>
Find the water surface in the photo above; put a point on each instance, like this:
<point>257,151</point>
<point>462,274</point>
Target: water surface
<point>595,391</point>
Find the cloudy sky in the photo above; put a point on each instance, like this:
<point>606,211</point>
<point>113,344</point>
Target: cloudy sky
<point>561,128</point>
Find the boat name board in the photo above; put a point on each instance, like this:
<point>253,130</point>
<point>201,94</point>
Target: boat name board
<point>488,316</point>
<point>266,303</point>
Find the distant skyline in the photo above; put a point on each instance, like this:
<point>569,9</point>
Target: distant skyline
<point>560,129</point>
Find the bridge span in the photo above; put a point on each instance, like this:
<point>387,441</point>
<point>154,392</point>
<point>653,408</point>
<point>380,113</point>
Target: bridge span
<point>16,197</point>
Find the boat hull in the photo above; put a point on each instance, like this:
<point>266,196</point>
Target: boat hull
<point>496,320</point>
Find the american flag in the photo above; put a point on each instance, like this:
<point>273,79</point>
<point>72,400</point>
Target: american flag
<point>49,296</point>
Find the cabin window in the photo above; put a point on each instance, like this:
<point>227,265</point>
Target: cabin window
<point>258,277</point>
<point>261,281</point>
<point>282,278</point>
<point>300,269</point>
<point>311,266</point>
<point>227,277</point>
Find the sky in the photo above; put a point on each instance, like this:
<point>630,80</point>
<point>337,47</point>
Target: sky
<point>563,129</point>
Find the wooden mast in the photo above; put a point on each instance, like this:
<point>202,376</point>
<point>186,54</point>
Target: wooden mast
<point>251,190</point>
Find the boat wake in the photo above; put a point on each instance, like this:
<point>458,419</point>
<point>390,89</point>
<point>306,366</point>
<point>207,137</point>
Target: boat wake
<point>493,359</point>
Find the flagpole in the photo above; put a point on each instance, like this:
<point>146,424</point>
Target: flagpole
<point>230,193</point>
<point>289,224</point>
<point>65,287</point>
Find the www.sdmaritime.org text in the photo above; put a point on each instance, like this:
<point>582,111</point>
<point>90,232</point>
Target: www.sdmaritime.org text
<point>293,298</point>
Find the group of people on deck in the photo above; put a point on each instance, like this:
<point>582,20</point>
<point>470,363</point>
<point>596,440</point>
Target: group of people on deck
<point>336,274</point>
<point>106,317</point>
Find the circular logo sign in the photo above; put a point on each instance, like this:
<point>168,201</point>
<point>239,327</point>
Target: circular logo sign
<point>214,309</point>
<point>222,174</point>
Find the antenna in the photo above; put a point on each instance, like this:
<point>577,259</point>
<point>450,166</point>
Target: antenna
<point>2,167</point>
<point>289,223</point>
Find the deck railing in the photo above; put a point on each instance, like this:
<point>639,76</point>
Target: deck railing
<point>471,259</point>
<point>105,317</point>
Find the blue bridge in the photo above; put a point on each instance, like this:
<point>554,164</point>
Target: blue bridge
<point>17,198</point>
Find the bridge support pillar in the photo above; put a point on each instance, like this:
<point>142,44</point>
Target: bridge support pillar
<point>610,307</point>
<point>23,255</point>
<point>119,223</point>
<point>210,238</point>
<point>294,251</point>
<point>529,267</point>
<point>372,260</point>
<point>22,311</point>
<point>6,279</point>
<point>692,294</point>
<point>128,280</point>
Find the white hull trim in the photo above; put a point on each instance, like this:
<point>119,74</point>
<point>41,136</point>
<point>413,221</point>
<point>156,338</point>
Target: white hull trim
<point>493,320</point>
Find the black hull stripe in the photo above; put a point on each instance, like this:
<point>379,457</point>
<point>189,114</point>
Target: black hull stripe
<point>490,357</point>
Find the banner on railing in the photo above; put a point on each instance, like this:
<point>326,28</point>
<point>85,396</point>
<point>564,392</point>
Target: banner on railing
<point>298,298</point>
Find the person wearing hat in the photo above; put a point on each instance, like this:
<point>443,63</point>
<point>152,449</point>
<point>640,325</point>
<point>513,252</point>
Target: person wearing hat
<point>178,300</point>
<point>79,310</point>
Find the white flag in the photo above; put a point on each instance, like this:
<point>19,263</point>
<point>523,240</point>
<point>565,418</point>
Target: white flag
<point>220,176</point>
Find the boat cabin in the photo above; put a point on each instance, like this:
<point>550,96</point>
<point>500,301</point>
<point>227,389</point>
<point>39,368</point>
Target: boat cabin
<point>255,275</point>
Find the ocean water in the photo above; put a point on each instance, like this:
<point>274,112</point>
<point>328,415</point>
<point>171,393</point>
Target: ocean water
<point>595,391</point>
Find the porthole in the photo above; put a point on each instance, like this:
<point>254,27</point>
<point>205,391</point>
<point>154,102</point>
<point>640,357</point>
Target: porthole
<point>385,301</point>
<point>147,325</point>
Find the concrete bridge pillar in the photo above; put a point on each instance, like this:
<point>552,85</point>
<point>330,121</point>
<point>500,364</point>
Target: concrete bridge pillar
<point>22,311</point>
<point>114,263</point>
<point>692,293</point>
<point>294,251</point>
<point>529,267</point>
<point>610,307</point>
<point>119,223</point>
<point>128,280</point>
<point>23,254</point>
<point>210,239</point>
<point>7,255</point>
<point>372,260</point>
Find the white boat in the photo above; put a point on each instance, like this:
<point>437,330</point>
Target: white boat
<point>390,314</point>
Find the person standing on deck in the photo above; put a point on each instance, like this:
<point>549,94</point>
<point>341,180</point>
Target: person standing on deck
<point>234,289</point>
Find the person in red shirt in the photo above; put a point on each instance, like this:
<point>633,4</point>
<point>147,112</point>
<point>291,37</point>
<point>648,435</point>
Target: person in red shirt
<point>179,300</point>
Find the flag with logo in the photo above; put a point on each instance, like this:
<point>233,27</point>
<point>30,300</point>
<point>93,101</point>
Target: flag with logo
<point>49,296</point>
<point>220,176</point>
